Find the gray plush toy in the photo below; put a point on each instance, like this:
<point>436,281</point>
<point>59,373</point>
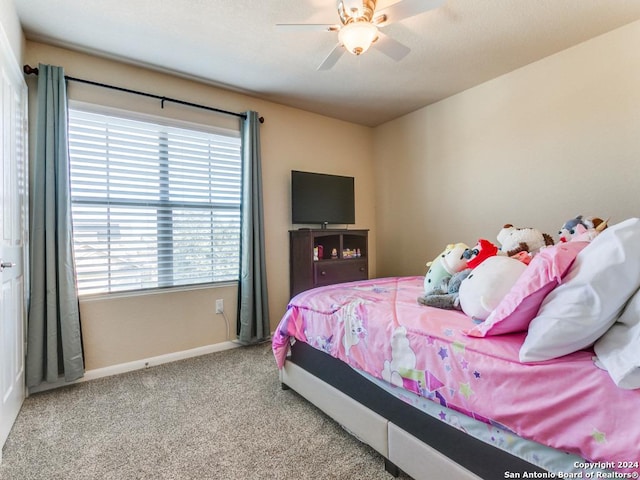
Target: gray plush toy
<point>445,295</point>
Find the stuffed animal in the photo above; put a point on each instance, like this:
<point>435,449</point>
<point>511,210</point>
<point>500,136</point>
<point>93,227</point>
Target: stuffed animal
<point>513,240</point>
<point>487,284</point>
<point>483,250</point>
<point>444,265</point>
<point>446,295</point>
<point>580,227</point>
<point>524,257</point>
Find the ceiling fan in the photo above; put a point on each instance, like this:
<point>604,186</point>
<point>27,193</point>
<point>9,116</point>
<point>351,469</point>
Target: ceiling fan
<point>360,26</point>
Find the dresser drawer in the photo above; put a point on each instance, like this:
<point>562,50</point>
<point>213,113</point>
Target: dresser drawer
<point>338,271</point>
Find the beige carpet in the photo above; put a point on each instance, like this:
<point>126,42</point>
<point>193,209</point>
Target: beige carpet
<point>219,416</point>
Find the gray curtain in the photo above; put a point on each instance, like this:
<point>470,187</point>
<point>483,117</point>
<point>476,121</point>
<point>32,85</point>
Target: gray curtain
<point>253,308</point>
<point>54,342</point>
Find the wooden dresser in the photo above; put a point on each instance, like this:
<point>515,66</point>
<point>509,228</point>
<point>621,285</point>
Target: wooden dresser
<point>348,263</point>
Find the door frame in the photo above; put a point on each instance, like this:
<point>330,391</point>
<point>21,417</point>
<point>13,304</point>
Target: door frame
<point>14,188</point>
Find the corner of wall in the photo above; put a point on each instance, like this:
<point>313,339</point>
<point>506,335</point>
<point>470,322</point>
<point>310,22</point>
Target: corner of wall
<point>11,29</point>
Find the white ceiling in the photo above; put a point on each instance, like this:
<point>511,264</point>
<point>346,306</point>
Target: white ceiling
<point>234,43</point>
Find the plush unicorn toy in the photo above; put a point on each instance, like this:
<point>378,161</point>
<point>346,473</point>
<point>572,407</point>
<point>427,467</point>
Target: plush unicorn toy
<point>581,228</point>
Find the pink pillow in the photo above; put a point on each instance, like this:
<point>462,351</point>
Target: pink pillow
<point>516,310</point>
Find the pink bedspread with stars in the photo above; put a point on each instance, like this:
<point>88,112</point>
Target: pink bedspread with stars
<point>378,326</point>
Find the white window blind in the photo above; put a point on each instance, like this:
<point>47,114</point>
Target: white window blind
<point>152,205</point>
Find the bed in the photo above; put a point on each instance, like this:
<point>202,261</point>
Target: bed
<point>522,395</point>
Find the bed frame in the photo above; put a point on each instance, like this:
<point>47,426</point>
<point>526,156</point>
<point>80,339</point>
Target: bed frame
<point>409,440</point>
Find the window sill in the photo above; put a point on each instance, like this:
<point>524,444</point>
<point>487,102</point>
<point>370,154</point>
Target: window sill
<point>155,291</point>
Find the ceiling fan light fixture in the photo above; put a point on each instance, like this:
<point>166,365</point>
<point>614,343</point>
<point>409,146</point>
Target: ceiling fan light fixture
<point>357,37</point>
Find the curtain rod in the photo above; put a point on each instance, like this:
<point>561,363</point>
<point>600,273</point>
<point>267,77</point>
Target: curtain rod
<point>28,70</point>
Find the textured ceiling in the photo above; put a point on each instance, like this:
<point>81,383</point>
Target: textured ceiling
<point>235,44</point>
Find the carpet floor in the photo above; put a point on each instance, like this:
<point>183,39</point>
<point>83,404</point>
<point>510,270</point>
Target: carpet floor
<point>218,416</point>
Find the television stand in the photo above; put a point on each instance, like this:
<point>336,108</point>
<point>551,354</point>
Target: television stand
<point>350,262</point>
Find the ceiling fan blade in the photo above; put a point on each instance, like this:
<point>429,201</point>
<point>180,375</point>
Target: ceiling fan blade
<point>307,27</point>
<point>332,58</point>
<point>405,9</point>
<point>391,47</point>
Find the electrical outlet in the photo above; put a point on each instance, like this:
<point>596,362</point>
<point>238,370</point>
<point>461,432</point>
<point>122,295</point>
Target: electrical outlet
<point>219,305</point>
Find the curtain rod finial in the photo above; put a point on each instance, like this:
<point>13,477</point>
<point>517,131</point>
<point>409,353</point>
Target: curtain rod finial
<point>28,70</point>
<point>261,119</point>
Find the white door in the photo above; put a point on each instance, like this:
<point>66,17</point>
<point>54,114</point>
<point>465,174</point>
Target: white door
<point>13,244</point>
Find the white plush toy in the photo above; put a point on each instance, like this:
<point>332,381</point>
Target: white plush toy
<point>481,292</point>
<point>514,240</point>
<point>450,261</point>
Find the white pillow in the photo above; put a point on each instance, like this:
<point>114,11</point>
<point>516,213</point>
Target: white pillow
<point>589,298</point>
<point>618,350</point>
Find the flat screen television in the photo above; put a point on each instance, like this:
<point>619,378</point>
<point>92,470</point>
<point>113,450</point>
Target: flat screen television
<point>319,198</point>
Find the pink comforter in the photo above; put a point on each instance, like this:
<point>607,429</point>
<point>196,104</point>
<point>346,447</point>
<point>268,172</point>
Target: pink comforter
<point>377,326</point>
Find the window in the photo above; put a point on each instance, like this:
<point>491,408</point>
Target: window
<point>152,205</point>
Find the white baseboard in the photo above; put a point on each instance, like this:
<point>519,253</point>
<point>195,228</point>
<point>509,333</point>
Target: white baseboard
<point>139,365</point>
<point>159,360</point>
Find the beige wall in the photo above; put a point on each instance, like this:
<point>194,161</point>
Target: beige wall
<point>125,328</point>
<point>533,148</point>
